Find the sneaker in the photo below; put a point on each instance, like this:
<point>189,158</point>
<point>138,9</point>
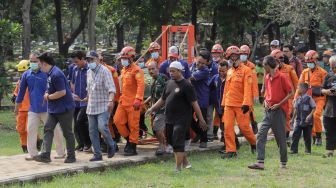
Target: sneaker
<point>169,149</point>
<point>59,157</point>
<point>188,166</point>
<point>110,152</point>
<point>29,158</point>
<point>210,140</point>
<point>256,166</point>
<point>283,166</point>
<point>96,158</point>
<point>42,159</point>
<point>203,145</point>
<point>70,160</point>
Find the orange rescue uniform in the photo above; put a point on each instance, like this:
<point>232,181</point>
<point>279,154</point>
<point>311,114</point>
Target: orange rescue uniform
<point>133,88</point>
<point>315,78</point>
<point>237,92</point>
<point>291,75</point>
<point>22,116</point>
<point>159,61</point>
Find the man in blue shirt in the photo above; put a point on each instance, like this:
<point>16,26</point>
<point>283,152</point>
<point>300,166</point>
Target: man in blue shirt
<point>36,82</point>
<point>78,86</point>
<point>200,79</point>
<point>60,109</point>
<point>173,55</point>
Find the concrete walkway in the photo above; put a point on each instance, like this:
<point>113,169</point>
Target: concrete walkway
<point>15,169</point>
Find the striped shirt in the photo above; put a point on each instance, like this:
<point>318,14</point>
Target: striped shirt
<point>99,85</point>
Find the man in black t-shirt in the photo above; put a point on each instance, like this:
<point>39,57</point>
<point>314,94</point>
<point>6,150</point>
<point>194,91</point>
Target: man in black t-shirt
<point>179,99</point>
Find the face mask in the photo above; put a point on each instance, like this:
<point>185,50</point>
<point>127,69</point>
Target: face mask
<point>311,65</point>
<point>141,65</point>
<point>243,58</point>
<point>155,55</point>
<point>34,66</point>
<point>124,62</point>
<point>92,65</point>
<point>230,63</point>
<point>215,59</point>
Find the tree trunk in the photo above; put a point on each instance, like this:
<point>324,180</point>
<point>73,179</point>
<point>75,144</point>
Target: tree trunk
<point>26,29</point>
<point>120,36</point>
<point>277,31</point>
<point>270,33</point>
<point>141,34</point>
<point>214,25</point>
<point>92,26</point>
<point>259,34</point>
<point>312,34</point>
<point>64,45</point>
<point>194,11</point>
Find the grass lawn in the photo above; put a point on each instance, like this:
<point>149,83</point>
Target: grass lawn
<point>209,170</point>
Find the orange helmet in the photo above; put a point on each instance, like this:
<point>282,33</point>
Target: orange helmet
<point>232,50</point>
<point>311,56</point>
<point>154,46</point>
<point>127,52</point>
<point>217,48</point>
<point>277,54</point>
<point>245,50</point>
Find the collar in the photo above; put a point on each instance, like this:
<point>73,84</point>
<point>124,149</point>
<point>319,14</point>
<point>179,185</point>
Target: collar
<point>51,70</point>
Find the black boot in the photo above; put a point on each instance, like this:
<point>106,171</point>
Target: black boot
<point>253,149</point>
<point>24,149</point>
<point>237,143</point>
<point>127,145</point>
<point>131,151</point>
<point>254,127</point>
<point>318,139</point>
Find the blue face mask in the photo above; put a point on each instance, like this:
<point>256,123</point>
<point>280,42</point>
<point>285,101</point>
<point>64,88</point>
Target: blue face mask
<point>124,62</point>
<point>141,64</point>
<point>92,65</point>
<point>34,66</point>
<point>311,65</point>
<point>243,57</point>
<point>155,55</point>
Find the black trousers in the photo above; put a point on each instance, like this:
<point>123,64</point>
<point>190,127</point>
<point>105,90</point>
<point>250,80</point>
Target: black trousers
<point>176,135</point>
<point>81,127</point>
<point>330,128</point>
<point>307,132</point>
<point>197,129</point>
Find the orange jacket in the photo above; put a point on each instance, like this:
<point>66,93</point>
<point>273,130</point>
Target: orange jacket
<point>316,77</point>
<point>238,87</point>
<point>159,62</point>
<point>26,102</point>
<point>115,80</point>
<point>255,89</point>
<point>133,85</point>
<point>290,73</point>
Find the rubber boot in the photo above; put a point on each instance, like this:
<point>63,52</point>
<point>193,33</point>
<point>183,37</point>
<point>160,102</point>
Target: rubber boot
<point>127,145</point>
<point>131,151</point>
<point>24,149</point>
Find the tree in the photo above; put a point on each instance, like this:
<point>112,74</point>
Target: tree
<point>65,41</point>
<point>91,25</point>
<point>26,28</point>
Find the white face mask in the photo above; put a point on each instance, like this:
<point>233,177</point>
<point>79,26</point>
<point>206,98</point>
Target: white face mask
<point>243,57</point>
<point>215,59</point>
<point>124,62</point>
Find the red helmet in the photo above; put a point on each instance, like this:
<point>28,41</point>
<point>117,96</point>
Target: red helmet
<point>217,48</point>
<point>127,52</point>
<point>154,46</point>
<point>232,50</point>
<point>245,50</point>
<point>311,56</point>
<point>277,54</point>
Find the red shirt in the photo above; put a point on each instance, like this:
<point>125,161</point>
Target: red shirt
<point>277,88</point>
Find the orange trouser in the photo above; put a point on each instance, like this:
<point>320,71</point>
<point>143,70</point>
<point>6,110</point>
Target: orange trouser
<point>288,115</point>
<point>243,121</point>
<point>126,115</point>
<point>21,127</point>
<point>320,102</point>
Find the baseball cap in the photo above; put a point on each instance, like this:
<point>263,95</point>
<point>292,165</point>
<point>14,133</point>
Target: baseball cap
<point>275,43</point>
<point>176,65</point>
<point>327,53</point>
<point>173,52</point>
<point>91,54</point>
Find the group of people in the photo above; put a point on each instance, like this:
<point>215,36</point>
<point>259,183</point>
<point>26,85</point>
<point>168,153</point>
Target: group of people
<point>187,102</point>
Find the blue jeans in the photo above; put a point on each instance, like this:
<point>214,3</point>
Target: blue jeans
<point>98,123</point>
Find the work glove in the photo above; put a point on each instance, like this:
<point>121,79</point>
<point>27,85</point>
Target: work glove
<point>13,99</point>
<point>245,109</point>
<point>137,104</point>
